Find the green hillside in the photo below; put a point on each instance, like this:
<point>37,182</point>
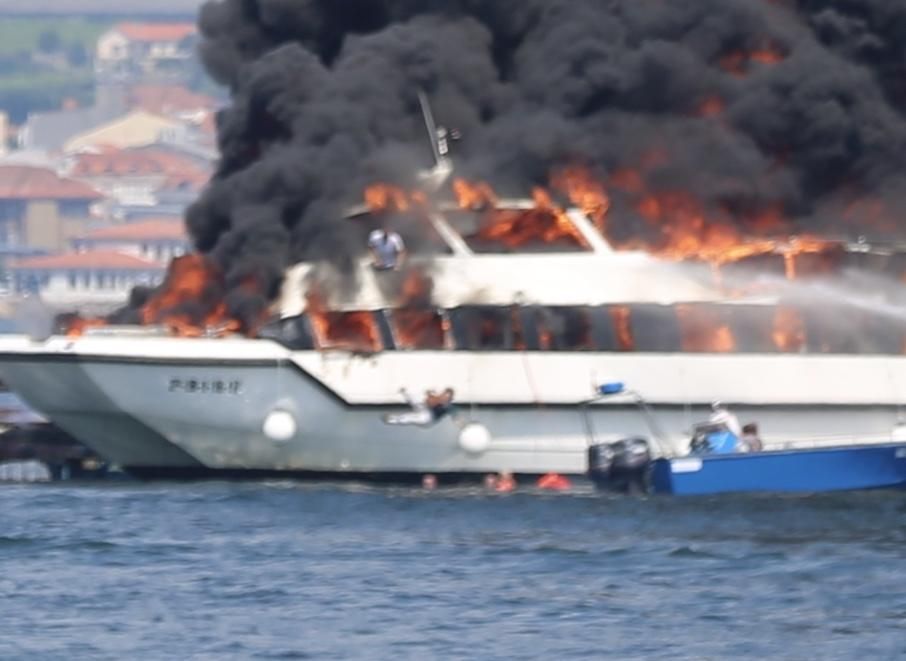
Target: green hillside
<point>44,61</point>
<point>24,34</point>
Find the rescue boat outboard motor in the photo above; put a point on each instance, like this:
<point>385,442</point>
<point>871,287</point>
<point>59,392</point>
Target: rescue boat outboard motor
<point>622,466</point>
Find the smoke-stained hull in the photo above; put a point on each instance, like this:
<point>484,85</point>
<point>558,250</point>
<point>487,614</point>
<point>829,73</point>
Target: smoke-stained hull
<point>170,406</point>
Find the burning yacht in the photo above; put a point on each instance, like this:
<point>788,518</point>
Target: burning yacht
<point>521,308</point>
<point>700,130</point>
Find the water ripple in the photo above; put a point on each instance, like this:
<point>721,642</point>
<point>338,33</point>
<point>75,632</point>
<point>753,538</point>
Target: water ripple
<point>281,570</point>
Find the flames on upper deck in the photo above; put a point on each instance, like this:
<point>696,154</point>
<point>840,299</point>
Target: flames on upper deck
<point>669,225</point>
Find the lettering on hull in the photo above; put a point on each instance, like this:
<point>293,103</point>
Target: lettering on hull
<point>206,386</point>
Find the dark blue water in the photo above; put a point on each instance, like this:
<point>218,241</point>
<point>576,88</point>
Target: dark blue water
<point>288,571</point>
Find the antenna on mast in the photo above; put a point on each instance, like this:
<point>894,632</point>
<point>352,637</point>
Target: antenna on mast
<point>442,169</point>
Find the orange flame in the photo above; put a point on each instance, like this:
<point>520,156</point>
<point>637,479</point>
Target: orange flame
<point>788,330</point>
<point>806,245</point>
<point>737,63</point>
<point>711,106</point>
<point>584,191</point>
<point>416,289</point>
<point>77,326</point>
<point>474,196</point>
<point>384,197</point>
<point>620,316</point>
<point>545,223</point>
<point>683,228</point>
<point>703,330</point>
<point>192,280</point>
<point>419,329</point>
<point>628,180</point>
<point>349,331</point>
<point>767,56</point>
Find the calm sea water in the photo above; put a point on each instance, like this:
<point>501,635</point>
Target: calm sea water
<point>290,571</point>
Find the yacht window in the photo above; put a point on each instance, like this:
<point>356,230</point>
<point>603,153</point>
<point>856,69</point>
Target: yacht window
<point>294,333</point>
<point>654,328</point>
<point>743,275</point>
<point>844,329</point>
<point>814,265</point>
<point>788,330</point>
<point>346,331</point>
<point>418,328</point>
<point>482,328</point>
<point>621,323</point>
<point>881,335</point>
<point>766,329</point>
<point>705,328</point>
<point>895,269</point>
<point>564,328</point>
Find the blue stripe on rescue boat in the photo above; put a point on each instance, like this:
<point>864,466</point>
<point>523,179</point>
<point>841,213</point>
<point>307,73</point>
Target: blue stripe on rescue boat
<point>824,469</point>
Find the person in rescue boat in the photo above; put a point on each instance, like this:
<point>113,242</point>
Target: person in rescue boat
<point>750,440</point>
<point>387,250</point>
<point>434,407</point>
<point>725,440</point>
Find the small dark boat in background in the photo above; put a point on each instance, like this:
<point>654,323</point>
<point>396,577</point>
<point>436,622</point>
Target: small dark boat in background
<point>35,450</point>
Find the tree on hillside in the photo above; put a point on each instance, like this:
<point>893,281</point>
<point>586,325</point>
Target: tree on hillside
<point>49,41</point>
<point>77,56</point>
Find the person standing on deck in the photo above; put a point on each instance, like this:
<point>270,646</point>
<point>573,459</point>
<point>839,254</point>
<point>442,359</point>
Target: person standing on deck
<point>387,250</point>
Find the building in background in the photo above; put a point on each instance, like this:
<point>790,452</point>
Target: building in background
<point>171,100</point>
<point>138,128</point>
<point>49,131</point>
<point>154,239</point>
<point>4,133</point>
<point>133,179</point>
<point>95,281</point>
<point>152,51</point>
<point>40,210</point>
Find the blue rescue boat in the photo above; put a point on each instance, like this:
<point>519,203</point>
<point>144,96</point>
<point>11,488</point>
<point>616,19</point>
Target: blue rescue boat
<point>716,465</point>
<point>811,470</point>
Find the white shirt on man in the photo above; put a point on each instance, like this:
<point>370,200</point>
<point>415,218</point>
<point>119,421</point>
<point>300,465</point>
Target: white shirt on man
<point>387,248</point>
<point>724,417</point>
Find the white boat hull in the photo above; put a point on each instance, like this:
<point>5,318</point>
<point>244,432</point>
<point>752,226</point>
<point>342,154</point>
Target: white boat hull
<point>186,406</point>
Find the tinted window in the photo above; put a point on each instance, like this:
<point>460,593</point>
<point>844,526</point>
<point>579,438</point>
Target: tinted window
<point>418,328</point>
<point>483,328</point>
<point>654,328</point>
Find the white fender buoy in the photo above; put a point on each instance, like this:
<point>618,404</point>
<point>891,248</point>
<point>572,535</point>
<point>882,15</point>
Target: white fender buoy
<point>279,425</point>
<point>474,438</point>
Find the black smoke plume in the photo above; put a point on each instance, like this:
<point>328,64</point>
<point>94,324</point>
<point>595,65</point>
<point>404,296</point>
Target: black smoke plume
<point>811,98</point>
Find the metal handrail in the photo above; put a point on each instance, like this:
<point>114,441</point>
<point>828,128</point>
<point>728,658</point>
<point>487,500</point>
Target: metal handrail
<point>660,438</point>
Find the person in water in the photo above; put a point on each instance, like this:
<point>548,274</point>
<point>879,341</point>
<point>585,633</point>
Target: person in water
<point>505,482</point>
<point>554,482</point>
<point>431,410</point>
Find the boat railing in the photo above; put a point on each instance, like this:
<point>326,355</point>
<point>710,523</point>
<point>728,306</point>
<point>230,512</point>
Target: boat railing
<point>610,391</point>
<point>829,441</point>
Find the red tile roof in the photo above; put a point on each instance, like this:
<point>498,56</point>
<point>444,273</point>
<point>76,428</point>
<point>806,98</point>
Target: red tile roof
<point>20,182</point>
<point>161,229</point>
<point>95,259</point>
<point>143,162</point>
<point>169,99</point>
<point>151,32</point>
